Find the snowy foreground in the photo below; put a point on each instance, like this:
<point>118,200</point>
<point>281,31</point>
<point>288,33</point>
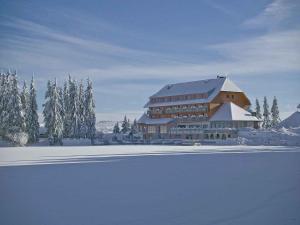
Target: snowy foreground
<point>150,185</point>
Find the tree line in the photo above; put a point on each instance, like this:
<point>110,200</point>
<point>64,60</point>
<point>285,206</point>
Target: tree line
<point>126,127</point>
<point>69,111</point>
<point>18,110</point>
<point>269,118</point>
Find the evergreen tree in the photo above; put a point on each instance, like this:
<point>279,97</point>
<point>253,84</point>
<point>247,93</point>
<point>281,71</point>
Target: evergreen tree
<point>134,127</point>
<point>47,113</point>
<point>257,109</point>
<point>25,106</point>
<point>54,115</point>
<point>81,125</point>
<point>116,129</point>
<point>89,112</point>
<point>14,118</point>
<point>125,125</point>
<point>67,108</point>
<point>24,97</point>
<point>32,116</point>
<point>266,114</point>
<point>3,87</point>
<point>275,113</point>
<point>74,109</point>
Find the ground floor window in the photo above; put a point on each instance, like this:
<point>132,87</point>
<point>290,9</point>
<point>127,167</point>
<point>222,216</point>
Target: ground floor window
<point>163,129</point>
<point>151,129</point>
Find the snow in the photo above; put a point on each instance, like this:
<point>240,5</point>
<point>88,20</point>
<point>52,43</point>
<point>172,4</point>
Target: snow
<point>231,112</point>
<point>292,121</point>
<point>283,136</point>
<point>59,154</point>
<point>158,185</point>
<point>106,126</point>
<point>202,86</point>
<point>228,85</point>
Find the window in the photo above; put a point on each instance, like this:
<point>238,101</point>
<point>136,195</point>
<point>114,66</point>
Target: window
<point>163,129</point>
<point>151,129</point>
<point>232,96</point>
<point>227,96</point>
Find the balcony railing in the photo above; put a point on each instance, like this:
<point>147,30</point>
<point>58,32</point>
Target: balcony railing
<point>203,109</point>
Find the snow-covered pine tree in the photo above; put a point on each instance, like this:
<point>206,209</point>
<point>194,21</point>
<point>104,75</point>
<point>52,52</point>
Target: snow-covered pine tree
<point>67,108</point>
<point>266,114</point>
<point>6,91</point>
<point>134,127</point>
<point>116,129</point>
<point>257,109</point>
<point>46,113</point>
<point>32,115</point>
<point>74,109</point>
<point>61,102</point>
<point>81,108</point>
<point>275,113</point>
<point>125,125</point>
<point>89,112</point>
<point>3,87</point>
<point>54,115</point>
<point>25,104</point>
<point>2,91</point>
<point>15,116</point>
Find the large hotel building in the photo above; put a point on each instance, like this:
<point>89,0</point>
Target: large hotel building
<point>205,109</point>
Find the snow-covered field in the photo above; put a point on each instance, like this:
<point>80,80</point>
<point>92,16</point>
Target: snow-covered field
<point>150,185</point>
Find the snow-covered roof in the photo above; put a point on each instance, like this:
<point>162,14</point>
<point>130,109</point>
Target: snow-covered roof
<point>231,112</point>
<point>149,121</point>
<point>211,87</point>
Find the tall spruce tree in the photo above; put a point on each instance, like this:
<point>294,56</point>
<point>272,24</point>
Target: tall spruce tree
<point>134,127</point>
<point>3,87</point>
<point>257,109</point>
<point>116,129</point>
<point>81,109</point>
<point>125,125</point>
<point>89,112</point>
<point>275,113</point>
<point>46,112</point>
<point>74,107</point>
<point>15,116</point>
<point>25,104</point>
<point>32,115</point>
<point>54,115</point>
<point>67,108</point>
<point>266,114</point>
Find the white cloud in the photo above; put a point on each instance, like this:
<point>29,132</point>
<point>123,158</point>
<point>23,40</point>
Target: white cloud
<point>267,54</point>
<point>274,13</point>
<point>59,53</point>
<point>220,7</point>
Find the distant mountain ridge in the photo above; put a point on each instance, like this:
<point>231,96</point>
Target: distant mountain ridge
<point>292,121</point>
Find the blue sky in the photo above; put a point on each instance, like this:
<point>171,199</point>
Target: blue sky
<point>132,48</point>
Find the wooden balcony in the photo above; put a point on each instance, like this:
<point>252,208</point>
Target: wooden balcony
<point>202,109</point>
